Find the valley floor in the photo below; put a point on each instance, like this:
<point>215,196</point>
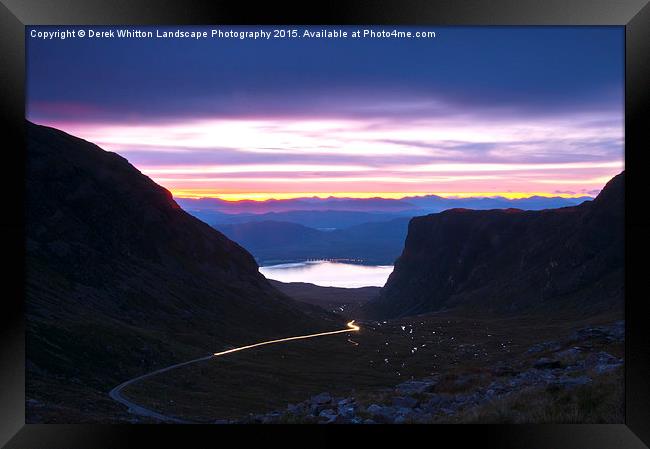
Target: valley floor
<point>432,368</point>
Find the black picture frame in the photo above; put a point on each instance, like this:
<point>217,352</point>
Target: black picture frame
<point>634,15</point>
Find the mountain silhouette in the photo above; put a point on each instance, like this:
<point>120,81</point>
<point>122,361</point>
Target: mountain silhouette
<point>274,242</point>
<point>121,280</point>
<point>512,261</point>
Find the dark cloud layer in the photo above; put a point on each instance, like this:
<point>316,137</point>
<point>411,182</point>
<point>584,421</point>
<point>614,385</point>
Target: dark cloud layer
<point>502,70</point>
<point>494,110</point>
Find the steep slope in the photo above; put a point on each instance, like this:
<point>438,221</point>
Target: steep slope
<point>121,280</point>
<point>512,261</point>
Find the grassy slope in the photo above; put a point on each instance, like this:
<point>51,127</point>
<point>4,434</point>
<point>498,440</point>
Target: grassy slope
<point>121,281</point>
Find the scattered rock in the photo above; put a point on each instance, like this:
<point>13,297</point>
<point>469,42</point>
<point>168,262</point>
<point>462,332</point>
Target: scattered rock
<point>323,398</point>
<point>381,414</point>
<point>315,409</point>
<point>342,420</point>
<point>328,415</point>
<point>347,411</point>
<point>569,354</point>
<point>400,420</point>
<point>614,332</point>
<point>603,362</point>
<point>436,400</point>
<point>403,410</point>
<point>345,401</point>
<point>415,400</point>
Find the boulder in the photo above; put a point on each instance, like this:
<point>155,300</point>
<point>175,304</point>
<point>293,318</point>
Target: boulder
<point>340,419</point>
<point>569,354</point>
<point>347,411</point>
<point>315,409</point>
<point>614,332</point>
<point>322,398</point>
<point>603,362</point>
<point>345,401</point>
<point>328,416</point>
<point>381,414</point>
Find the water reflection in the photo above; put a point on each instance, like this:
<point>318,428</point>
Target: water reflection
<point>329,274</point>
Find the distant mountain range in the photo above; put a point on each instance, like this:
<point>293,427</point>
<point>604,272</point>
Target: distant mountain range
<point>343,212</point>
<point>277,242</point>
<point>512,261</point>
<point>370,230</point>
<point>317,219</point>
<point>121,280</point>
<point>272,205</point>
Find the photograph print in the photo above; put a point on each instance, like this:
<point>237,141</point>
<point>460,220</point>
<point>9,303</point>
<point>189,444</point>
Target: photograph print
<point>324,225</point>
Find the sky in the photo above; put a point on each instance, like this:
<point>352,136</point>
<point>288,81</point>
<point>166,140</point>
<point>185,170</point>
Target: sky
<point>475,111</point>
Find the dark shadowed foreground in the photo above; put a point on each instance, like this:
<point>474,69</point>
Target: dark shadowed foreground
<point>122,281</point>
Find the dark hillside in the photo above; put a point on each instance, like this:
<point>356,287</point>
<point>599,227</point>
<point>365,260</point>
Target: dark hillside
<point>121,280</point>
<point>512,261</point>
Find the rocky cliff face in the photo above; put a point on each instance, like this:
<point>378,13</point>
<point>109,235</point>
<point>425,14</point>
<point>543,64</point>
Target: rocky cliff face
<point>121,280</point>
<point>512,261</point>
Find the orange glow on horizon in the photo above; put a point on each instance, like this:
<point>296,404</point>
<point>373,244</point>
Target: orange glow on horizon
<point>281,158</point>
<point>264,196</point>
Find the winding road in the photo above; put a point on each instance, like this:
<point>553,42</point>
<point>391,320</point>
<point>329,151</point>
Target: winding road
<point>116,393</point>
